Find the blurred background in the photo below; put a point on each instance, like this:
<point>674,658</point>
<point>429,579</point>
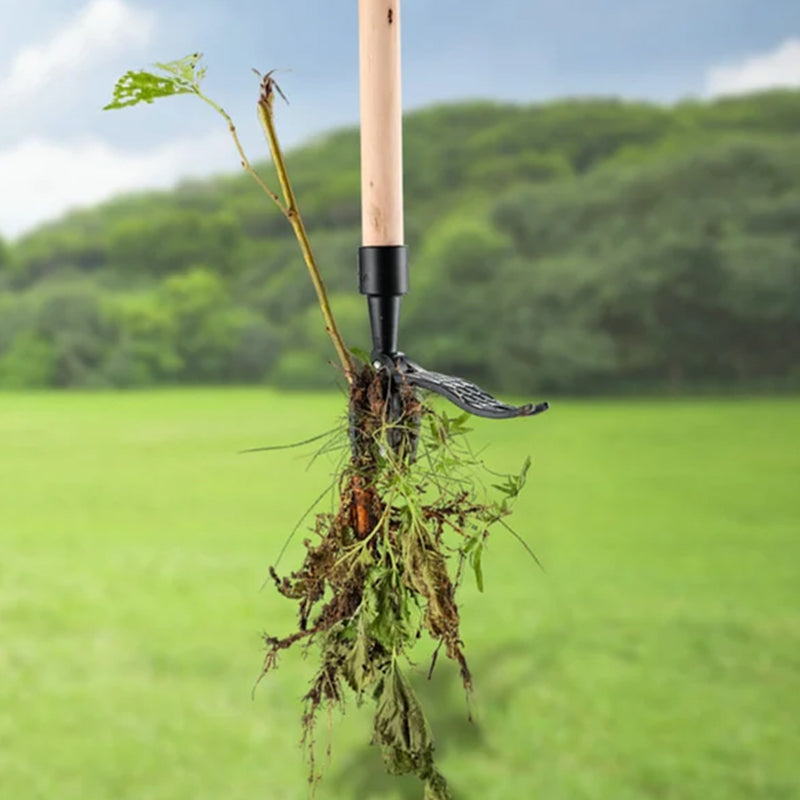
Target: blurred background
<point>603,208</point>
<point>613,191</point>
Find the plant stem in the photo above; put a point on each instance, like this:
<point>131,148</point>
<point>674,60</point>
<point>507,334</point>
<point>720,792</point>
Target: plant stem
<point>292,213</point>
<point>289,209</point>
<point>245,161</point>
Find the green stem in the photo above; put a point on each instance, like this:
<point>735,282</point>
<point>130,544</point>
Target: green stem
<point>293,215</point>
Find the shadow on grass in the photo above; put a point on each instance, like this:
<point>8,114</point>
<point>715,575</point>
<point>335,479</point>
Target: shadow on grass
<point>496,675</point>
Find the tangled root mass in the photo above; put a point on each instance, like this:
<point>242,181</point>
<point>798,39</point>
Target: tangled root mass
<point>375,574</point>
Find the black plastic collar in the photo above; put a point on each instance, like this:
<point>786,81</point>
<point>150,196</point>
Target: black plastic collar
<point>383,277</point>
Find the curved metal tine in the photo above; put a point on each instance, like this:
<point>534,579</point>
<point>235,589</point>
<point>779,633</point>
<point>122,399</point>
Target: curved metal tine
<point>467,396</point>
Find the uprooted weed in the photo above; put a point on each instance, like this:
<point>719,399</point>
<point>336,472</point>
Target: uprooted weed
<point>376,572</point>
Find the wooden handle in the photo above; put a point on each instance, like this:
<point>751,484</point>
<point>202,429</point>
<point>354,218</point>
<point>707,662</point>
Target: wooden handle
<point>381,123</point>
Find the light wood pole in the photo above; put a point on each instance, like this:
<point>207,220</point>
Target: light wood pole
<point>381,122</point>
<point>382,258</point>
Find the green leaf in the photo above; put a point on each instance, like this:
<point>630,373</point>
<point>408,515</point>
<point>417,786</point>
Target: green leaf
<point>403,734</point>
<point>387,609</point>
<point>514,484</point>
<point>436,788</point>
<point>358,668</point>
<point>185,70</point>
<point>362,355</point>
<point>523,475</point>
<point>458,425</point>
<point>400,727</point>
<point>476,565</point>
<point>180,77</point>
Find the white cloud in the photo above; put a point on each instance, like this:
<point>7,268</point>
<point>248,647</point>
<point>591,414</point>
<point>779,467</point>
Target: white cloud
<point>101,30</point>
<point>42,179</point>
<point>779,68</point>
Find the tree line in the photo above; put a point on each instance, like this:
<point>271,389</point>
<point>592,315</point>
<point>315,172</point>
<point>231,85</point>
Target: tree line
<point>575,246</point>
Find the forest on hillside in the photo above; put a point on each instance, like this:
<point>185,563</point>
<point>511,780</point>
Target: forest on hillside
<point>580,246</point>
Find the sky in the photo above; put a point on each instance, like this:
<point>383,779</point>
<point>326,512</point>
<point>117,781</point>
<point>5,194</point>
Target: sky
<point>59,60</point>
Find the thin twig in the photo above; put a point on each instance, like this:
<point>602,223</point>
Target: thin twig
<point>248,167</point>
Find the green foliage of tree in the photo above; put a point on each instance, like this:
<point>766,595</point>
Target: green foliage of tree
<point>451,311</point>
<point>56,249</point>
<point>5,256</point>
<point>301,369</point>
<point>576,246</point>
<point>175,240</point>
<point>145,348</point>
<point>29,362</point>
<point>58,331</point>
<point>207,323</point>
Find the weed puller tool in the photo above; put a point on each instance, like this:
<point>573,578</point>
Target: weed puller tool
<point>383,258</point>
<point>383,566</point>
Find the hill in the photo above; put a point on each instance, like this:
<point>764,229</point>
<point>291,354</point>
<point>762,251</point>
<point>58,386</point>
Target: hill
<point>579,246</point>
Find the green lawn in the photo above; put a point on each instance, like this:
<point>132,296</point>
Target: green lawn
<point>657,657</point>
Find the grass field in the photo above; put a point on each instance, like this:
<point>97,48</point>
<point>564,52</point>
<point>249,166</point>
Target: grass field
<point>657,657</point>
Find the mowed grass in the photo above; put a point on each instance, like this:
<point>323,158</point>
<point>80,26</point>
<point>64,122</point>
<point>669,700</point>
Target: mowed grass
<point>658,656</point>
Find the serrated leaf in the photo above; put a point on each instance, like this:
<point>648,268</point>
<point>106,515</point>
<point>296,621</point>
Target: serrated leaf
<point>184,69</point>
<point>403,734</point>
<point>387,612</point>
<point>358,667</point>
<point>180,77</point>
<point>400,727</point>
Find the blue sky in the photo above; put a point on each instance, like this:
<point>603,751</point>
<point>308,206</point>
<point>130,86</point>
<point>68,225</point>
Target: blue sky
<point>60,58</point>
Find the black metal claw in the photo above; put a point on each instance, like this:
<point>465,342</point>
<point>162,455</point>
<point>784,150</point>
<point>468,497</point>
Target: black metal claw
<point>465,395</point>
<point>383,277</point>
